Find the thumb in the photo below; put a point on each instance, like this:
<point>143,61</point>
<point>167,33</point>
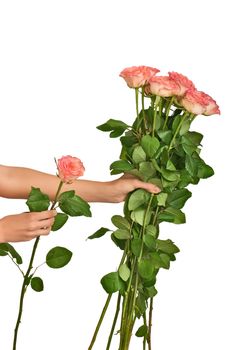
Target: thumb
<point>147,186</point>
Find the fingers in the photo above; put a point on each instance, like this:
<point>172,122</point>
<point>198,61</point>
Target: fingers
<point>43,231</point>
<point>44,223</point>
<point>147,186</point>
<point>43,215</point>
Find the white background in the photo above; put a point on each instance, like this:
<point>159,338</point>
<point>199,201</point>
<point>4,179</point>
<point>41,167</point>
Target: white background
<point>59,66</point>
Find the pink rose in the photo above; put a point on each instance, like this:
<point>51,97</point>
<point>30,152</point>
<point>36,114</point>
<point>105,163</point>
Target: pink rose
<point>136,77</point>
<point>69,168</point>
<point>183,82</point>
<point>162,86</point>
<point>198,102</point>
<point>211,107</point>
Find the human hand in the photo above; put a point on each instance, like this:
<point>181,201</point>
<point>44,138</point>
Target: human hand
<point>118,189</point>
<point>26,226</point>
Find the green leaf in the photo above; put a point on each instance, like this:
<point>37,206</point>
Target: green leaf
<point>142,331</point>
<point>73,205</point>
<point>161,199</point>
<point>140,305</point>
<point>124,272</point>
<point>128,140</point>
<point>170,165</point>
<point>150,241</point>
<point>170,175</point>
<point>155,260</point>
<point>119,242</point>
<point>204,171</point>
<point>136,245</point>
<point>192,138</point>
<point>139,155</point>
<point>185,127</point>
<point>165,261</point>
<point>138,198</point>
<point>120,166</point>
<point>147,170</point>
<point>112,124</point>
<point>121,234</point>
<point>58,257</point>
<point>165,136</point>
<point>6,248</point>
<point>191,165</point>
<point>173,215</point>
<point>99,233</point>
<point>167,246</point>
<point>151,292</point>
<point>189,149</point>
<point>157,182</point>
<point>37,284</point>
<point>176,122</point>
<point>120,222</point>
<point>3,253</point>
<point>145,269</point>
<point>139,215</point>
<point>178,198</point>
<point>150,145</point>
<point>152,230</point>
<point>37,201</point>
<point>111,282</point>
<point>60,220</point>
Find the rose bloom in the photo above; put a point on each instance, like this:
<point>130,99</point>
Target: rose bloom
<point>69,168</point>
<point>198,102</point>
<point>183,82</point>
<point>162,86</point>
<point>211,107</point>
<point>136,77</point>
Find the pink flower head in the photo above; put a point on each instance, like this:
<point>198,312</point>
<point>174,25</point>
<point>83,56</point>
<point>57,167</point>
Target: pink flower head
<point>136,77</point>
<point>183,82</point>
<point>198,102</point>
<point>163,86</point>
<point>211,107</point>
<point>69,168</point>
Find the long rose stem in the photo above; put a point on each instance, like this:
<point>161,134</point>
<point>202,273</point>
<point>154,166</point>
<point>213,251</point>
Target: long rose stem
<point>26,279</point>
<point>23,291</point>
<point>150,324</point>
<point>100,321</point>
<point>114,322</point>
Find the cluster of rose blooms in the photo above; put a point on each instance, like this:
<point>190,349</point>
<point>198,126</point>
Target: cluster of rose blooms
<point>174,85</point>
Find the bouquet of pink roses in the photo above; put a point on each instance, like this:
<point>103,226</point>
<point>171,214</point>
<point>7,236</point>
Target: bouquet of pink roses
<point>160,148</point>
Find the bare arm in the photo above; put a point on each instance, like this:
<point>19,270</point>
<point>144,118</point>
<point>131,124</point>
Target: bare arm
<point>16,182</point>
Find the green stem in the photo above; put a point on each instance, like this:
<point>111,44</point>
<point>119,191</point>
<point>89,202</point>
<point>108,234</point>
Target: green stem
<point>114,322</point>
<point>100,321</point>
<point>26,279</point>
<point>105,306</point>
<point>16,264</point>
<point>167,112</point>
<point>127,322</point>
<point>150,324</point>
<point>23,291</point>
<point>154,120</point>
<point>143,111</point>
<point>177,130</point>
<point>145,336</point>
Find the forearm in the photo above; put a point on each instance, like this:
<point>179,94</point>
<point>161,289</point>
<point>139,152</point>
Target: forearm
<point>16,182</point>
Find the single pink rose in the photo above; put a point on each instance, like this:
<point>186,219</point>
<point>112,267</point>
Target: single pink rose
<point>198,102</point>
<point>183,82</point>
<point>136,77</point>
<point>162,86</point>
<point>69,168</point>
<point>211,107</point>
